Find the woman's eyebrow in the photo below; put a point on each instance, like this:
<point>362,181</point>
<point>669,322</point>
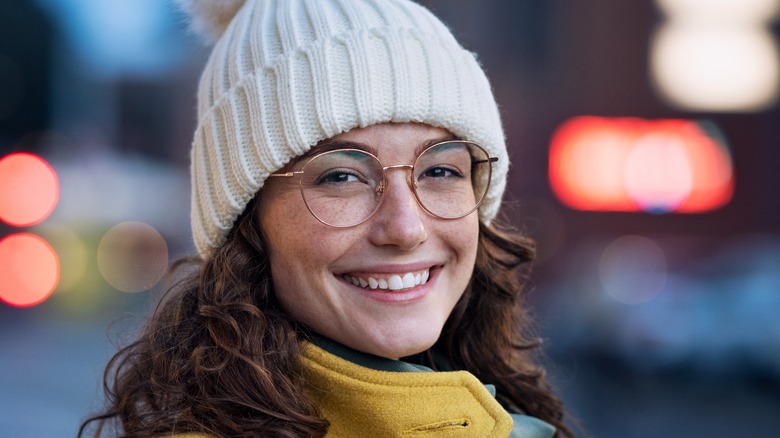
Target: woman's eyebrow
<point>428,143</point>
<point>335,144</point>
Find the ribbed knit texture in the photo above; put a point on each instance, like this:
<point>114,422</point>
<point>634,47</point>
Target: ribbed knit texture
<point>287,74</point>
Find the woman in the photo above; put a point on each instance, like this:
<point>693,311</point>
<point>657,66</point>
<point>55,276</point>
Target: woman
<point>347,166</point>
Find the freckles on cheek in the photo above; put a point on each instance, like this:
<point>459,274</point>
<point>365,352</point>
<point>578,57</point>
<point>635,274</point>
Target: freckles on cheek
<point>465,236</point>
<point>299,253</point>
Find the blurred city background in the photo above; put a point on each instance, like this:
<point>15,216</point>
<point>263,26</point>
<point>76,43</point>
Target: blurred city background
<point>645,144</point>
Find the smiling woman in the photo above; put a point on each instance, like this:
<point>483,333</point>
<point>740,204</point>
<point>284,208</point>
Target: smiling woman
<point>310,263</point>
<point>346,170</point>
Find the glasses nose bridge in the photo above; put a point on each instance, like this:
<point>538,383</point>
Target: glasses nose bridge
<point>398,166</point>
<point>383,185</point>
<point>409,167</point>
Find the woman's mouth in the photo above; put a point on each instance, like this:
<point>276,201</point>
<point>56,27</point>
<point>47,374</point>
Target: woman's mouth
<point>398,281</point>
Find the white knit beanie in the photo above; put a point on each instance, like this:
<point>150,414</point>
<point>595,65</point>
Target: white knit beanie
<point>287,74</point>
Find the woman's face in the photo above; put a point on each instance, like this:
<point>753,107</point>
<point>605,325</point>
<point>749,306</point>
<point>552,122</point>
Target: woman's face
<point>313,265</point>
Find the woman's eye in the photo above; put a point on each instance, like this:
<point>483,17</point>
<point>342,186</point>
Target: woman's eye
<point>337,177</point>
<point>440,172</point>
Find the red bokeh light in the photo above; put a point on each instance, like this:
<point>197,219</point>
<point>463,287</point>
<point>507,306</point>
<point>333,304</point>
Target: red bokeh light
<point>29,270</point>
<point>29,189</point>
<point>630,164</point>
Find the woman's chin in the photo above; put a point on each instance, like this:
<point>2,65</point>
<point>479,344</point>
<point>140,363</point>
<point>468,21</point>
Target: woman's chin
<point>395,347</point>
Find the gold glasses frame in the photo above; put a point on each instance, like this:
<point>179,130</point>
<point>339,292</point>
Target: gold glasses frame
<point>381,187</point>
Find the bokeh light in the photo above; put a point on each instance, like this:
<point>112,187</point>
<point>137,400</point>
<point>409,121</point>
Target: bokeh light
<point>716,69</point>
<point>630,164</point>
<point>132,256</point>
<point>710,163</point>
<point>658,176</point>
<point>29,270</point>
<point>29,189</point>
<point>716,55</point>
<point>81,292</point>
<point>72,251</point>
<point>632,269</point>
<point>730,11</point>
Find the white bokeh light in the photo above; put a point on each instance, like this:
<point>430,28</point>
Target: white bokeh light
<point>717,55</point>
<point>730,11</point>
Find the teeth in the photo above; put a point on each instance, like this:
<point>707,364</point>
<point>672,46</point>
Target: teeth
<point>408,280</point>
<point>393,282</point>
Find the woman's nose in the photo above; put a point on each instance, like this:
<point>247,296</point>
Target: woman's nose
<point>400,220</point>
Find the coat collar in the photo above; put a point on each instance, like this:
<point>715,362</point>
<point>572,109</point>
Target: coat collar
<point>357,399</point>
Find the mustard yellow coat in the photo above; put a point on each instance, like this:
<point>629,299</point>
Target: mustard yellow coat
<point>360,401</point>
<point>363,402</point>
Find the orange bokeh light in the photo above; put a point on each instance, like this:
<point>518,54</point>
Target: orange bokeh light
<point>29,270</point>
<point>630,164</point>
<point>29,189</point>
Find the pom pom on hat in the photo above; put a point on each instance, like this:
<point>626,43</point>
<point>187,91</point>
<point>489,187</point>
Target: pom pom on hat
<point>210,18</point>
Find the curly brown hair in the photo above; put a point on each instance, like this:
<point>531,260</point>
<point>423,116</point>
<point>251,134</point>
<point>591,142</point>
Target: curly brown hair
<point>217,355</point>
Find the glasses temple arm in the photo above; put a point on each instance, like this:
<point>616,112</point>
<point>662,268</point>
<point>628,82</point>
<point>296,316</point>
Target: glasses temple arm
<point>286,174</point>
<point>489,160</point>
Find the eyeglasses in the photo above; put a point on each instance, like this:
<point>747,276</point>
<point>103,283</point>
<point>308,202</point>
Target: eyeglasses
<point>344,187</point>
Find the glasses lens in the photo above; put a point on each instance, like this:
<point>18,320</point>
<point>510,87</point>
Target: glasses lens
<point>340,187</point>
<point>451,178</point>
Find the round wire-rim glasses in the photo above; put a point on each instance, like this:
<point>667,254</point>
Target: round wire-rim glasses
<point>343,188</point>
